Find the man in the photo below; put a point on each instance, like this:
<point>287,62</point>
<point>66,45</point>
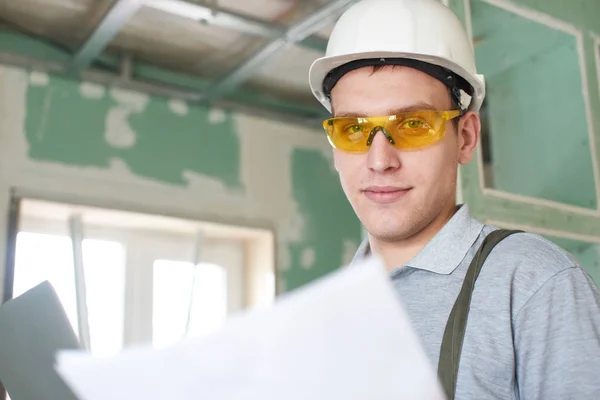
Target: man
<point>399,78</point>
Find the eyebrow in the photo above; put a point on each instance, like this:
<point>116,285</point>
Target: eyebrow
<point>414,107</point>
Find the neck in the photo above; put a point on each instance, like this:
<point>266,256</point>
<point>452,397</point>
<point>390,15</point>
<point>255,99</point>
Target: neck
<point>400,252</point>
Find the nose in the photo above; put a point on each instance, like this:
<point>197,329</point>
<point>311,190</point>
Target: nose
<point>382,156</point>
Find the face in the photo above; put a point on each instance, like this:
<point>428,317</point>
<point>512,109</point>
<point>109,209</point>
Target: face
<point>397,193</point>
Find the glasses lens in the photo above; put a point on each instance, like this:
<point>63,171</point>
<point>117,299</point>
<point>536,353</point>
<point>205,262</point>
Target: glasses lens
<point>416,130</point>
<point>348,134</point>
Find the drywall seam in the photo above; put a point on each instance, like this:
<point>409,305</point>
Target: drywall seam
<point>536,16</point>
<point>596,39</point>
<point>589,115</point>
<point>540,202</point>
<point>596,45</point>
<point>45,114</point>
<point>468,20</point>
<point>479,152</point>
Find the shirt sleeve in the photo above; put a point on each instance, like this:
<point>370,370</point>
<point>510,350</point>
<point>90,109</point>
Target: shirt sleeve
<point>557,339</point>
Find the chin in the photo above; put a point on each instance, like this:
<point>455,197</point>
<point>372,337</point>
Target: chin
<point>389,233</point>
<point>393,224</point>
<point>390,229</point>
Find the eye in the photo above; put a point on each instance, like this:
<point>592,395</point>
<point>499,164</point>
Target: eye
<point>414,124</point>
<point>353,128</point>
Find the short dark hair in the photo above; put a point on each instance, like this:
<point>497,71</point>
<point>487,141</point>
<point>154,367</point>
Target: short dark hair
<point>453,101</point>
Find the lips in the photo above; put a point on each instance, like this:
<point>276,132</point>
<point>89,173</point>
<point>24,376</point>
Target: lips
<point>385,194</point>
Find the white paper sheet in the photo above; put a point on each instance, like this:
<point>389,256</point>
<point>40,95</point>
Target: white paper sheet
<point>345,336</point>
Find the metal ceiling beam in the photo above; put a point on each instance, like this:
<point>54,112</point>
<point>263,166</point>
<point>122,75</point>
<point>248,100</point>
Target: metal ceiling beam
<point>296,33</point>
<point>107,29</point>
<point>315,42</point>
<point>123,10</point>
<point>306,119</point>
<point>223,18</point>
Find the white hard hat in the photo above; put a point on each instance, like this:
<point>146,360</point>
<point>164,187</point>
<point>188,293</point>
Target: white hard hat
<point>424,34</point>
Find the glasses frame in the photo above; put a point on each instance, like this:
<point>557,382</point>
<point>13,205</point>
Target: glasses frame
<point>381,121</point>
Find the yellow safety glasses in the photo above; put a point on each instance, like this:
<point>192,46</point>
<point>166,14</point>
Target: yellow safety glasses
<point>407,131</point>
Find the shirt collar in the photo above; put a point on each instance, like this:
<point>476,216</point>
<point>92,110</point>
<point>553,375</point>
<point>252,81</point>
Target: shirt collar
<point>447,249</point>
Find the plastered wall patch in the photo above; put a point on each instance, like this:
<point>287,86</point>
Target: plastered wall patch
<point>216,116</point>
<point>91,91</point>
<point>308,258</point>
<point>136,101</point>
<point>178,107</point>
<point>38,78</point>
<point>118,131</point>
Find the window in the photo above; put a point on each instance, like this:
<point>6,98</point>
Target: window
<point>189,300</point>
<point>41,257</point>
<point>149,279</point>
<point>104,263</point>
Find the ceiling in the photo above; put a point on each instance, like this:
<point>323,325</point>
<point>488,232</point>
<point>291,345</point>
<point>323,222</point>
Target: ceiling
<point>250,55</point>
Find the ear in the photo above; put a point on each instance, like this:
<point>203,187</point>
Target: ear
<point>469,130</point>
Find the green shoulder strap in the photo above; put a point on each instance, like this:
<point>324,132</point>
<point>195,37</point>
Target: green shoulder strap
<point>457,321</point>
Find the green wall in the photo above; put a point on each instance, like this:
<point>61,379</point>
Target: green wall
<point>539,59</point>
<point>540,145</point>
<point>537,118</point>
<point>63,126</point>
<point>68,124</point>
<point>588,254</point>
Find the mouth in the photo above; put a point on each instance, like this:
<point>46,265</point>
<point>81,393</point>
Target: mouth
<point>385,194</point>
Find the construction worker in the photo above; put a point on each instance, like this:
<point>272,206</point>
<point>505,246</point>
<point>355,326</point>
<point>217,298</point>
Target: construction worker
<point>400,80</point>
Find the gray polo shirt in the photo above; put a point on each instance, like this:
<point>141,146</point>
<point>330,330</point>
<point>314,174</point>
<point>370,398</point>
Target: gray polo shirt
<point>533,330</point>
